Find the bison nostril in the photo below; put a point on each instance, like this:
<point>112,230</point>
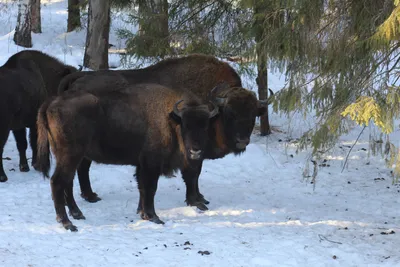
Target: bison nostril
<point>195,151</point>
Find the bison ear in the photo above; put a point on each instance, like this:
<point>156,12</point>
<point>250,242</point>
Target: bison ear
<point>175,117</point>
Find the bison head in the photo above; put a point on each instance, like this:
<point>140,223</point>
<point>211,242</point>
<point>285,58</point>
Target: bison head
<point>239,108</point>
<point>194,120</point>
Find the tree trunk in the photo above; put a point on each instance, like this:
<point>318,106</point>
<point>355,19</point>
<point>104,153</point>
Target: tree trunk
<point>74,15</point>
<point>22,35</point>
<point>262,60</point>
<point>153,28</point>
<point>96,50</point>
<point>36,19</point>
<point>262,82</point>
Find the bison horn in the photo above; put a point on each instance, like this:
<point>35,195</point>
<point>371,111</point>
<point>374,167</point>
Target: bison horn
<point>214,112</point>
<point>176,110</point>
<point>220,86</point>
<point>271,93</point>
<point>268,101</point>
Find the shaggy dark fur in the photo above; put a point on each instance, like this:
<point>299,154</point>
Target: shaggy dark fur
<point>199,74</point>
<point>26,80</point>
<point>156,129</point>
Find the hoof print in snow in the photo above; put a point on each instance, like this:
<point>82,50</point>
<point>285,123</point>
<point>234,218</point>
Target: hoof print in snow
<point>205,252</point>
<point>12,170</point>
<point>165,246</point>
<point>187,248</point>
<point>334,257</point>
<point>7,158</point>
<point>388,233</point>
<point>187,243</point>
<point>379,179</point>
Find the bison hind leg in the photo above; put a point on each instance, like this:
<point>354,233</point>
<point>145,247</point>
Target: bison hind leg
<point>61,187</point>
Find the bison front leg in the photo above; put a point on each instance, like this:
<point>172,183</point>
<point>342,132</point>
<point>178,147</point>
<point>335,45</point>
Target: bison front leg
<point>74,210</point>
<point>193,196</point>
<point>84,182</point>
<point>147,180</point>
<point>22,145</point>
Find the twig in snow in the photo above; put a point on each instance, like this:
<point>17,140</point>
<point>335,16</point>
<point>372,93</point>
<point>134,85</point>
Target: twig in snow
<point>315,172</point>
<point>321,237</point>
<point>269,153</point>
<point>348,154</point>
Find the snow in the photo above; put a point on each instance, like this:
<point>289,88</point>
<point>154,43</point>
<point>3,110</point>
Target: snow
<point>262,211</point>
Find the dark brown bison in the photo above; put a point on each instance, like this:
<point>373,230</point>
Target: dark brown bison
<point>26,80</point>
<point>199,74</point>
<point>154,128</point>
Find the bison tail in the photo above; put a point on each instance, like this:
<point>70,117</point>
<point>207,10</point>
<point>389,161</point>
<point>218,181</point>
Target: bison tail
<point>43,146</point>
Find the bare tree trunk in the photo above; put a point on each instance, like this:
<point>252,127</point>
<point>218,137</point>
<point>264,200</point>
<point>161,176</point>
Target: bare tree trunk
<point>153,27</point>
<point>36,18</point>
<point>22,35</point>
<point>74,15</point>
<point>96,50</point>
<point>262,82</point>
<point>262,66</point>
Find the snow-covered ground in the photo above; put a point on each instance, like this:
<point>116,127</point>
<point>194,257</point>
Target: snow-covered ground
<point>262,211</point>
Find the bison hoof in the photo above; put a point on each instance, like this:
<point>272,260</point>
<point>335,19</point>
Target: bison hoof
<point>153,218</point>
<point>92,198</point>
<point>3,179</point>
<point>203,200</point>
<point>156,221</point>
<point>77,215</point>
<point>71,227</point>
<point>67,224</point>
<point>199,205</point>
<point>24,167</point>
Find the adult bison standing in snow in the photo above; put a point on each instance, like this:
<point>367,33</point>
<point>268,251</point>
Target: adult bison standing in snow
<point>26,80</point>
<point>199,74</point>
<point>150,126</point>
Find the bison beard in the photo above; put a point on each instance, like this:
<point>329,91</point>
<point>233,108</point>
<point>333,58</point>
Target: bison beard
<point>26,79</point>
<point>154,128</point>
<point>199,74</point>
